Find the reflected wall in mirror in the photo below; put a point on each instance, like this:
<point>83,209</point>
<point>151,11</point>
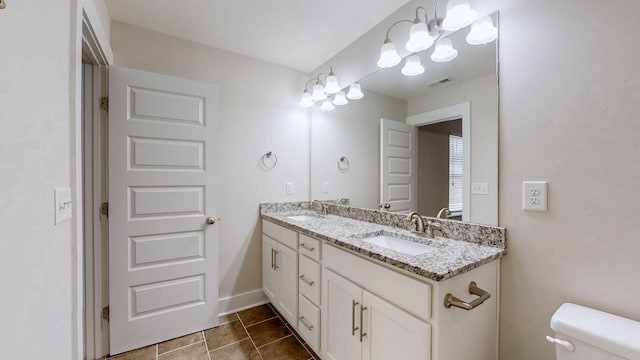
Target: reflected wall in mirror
<point>453,109</point>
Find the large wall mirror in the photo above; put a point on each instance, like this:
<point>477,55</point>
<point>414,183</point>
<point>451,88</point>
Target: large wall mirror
<point>422,143</point>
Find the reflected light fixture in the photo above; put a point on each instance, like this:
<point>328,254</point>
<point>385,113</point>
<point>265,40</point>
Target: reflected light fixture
<point>412,66</point>
<point>340,99</point>
<point>482,32</point>
<point>327,105</point>
<point>444,51</point>
<point>388,55</point>
<point>322,91</point>
<point>355,92</point>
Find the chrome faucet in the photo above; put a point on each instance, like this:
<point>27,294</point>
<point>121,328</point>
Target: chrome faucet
<point>444,211</point>
<point>416,218</point>
<point>323,207</point>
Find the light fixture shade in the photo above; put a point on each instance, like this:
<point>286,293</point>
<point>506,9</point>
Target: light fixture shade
<point>318,93</point>
<point>419,38</point>
<point>355,92</point>
<point>388,55</point>
<point>306,100</point>
<point>482,32</point>
<point>444,51</point>
<point>340,99</point>
<point>327,105</point>
<point>412,66</point>
<point>459,15</point>
<point>332,86</point>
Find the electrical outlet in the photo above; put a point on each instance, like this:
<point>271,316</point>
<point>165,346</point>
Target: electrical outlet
<point>289,188</point>
<point>534,195</point>
<point>325,187</point>
<point>480,188</point>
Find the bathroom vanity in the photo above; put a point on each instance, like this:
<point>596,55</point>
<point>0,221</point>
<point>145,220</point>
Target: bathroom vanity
<point>362,290</point>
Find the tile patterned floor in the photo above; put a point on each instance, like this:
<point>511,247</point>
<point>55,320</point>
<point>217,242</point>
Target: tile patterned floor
<point>258,333</point>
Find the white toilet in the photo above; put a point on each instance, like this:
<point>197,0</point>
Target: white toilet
<point>582,333</point>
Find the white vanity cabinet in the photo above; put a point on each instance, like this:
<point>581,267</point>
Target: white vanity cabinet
<point>280,269</point>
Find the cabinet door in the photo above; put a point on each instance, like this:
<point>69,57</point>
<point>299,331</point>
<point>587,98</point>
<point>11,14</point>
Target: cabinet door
<point>269,273</point>
<point>287,299</point>
<point>340,318</point>
<point>392,333</point>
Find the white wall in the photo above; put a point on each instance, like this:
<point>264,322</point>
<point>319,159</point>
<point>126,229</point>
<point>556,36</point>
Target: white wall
<point>569,105</point>
<point>353,131</point>
<point>259,112</point>
<point>483,95</point>
<point>36,256</point>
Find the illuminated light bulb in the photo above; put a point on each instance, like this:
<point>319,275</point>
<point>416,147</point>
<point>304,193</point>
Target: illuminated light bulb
<point>388,55</point>
<point>419,38</point>
<point>332,86</point>
<point>482,32</point>
<point>459,15</point>
<point>318,92</point>
<point>327,105</point>
<point>340,99</point>
<point>355,92</point>
<point>412,66</point>
<point>444,51</point>
<point>306,100</point>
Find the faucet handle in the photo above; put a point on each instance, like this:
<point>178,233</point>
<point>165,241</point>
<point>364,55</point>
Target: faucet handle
<point>431,225</point>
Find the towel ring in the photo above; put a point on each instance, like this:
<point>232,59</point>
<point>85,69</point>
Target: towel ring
<point>343,163</point>
<point>2,4</point>
<point>269,159</point>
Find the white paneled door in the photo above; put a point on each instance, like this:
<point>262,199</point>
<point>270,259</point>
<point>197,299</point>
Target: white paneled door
<point>163,242</point>
<point>398,166</point>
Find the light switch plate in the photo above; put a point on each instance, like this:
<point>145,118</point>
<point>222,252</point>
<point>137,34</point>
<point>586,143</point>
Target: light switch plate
<point>63,205</point>
<point>325,187</point>
<point>289,188</point>
<point>534,195</point>
<point>480,188</point>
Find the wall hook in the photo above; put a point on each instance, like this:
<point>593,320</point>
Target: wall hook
<point>269,159</point>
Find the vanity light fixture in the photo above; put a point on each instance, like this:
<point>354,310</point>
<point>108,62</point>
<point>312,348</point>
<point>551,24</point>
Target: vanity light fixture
<point>355,92</point>
<point>482,32</point>
<point>412,66</point>
<point>444,51</point>
<point>327,105</point>
<point>322,91</point>
<point>424,32</point>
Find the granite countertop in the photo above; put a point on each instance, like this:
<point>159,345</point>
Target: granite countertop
<point>445,259</point>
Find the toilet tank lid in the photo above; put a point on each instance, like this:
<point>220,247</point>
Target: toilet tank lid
<point>612,333</point>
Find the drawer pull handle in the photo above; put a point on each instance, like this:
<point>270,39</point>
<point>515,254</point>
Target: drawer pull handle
<point>362,333</point>
<point>353,317</point>
<point>306,324</point>
<point>272,260</point>
<point>450,300</point>
<point>308,282</point>
<point>306,247</point>
<point>275,259</point>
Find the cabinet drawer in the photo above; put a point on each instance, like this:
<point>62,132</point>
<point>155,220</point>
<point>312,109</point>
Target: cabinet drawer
<point>280,233</point>
<point>408,293</point>
<point>310,247</point>
<point>309,279</point>
<point>308,324</point>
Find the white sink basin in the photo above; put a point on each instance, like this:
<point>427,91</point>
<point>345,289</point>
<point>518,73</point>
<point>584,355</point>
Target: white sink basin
<point>400,245</point>
<point>304,217</point>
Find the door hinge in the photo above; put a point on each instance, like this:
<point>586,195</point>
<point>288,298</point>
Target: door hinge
<point>105,313</point>
<point>104,103</point>
<point>104,209</point>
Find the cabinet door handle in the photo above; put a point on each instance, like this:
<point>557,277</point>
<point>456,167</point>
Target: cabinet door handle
<point>306,324</point>
<point>353,317</point>
<point>272,260</point>
<point>362,333</point>
<point>308,282</point>
<point>306,247</point>
<point>275,259</point>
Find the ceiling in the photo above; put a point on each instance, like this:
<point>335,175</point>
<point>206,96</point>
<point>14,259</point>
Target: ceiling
<point>300,34</point>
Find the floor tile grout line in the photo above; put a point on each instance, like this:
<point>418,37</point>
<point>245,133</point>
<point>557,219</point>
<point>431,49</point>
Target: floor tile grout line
<point>229,344</point>
<point>261,321</point>
<point>298,337</point>
<point>179,348</point>
<point>206,345</point>
<point>275,341</point>
<point>249,336</point>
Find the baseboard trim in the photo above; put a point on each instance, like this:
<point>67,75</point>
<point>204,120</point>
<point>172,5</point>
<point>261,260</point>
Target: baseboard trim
<point>235,303</point>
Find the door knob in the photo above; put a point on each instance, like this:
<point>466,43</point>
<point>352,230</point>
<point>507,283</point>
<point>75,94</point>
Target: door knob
<point>210,220</point>
<point>387,206</point>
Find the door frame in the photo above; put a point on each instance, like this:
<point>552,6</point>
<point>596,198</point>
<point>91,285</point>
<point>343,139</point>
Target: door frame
<point>462,110</point>
<point>89,42</point>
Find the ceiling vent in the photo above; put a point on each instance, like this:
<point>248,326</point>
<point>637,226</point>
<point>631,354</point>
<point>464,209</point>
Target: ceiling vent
<point>441,81</point>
